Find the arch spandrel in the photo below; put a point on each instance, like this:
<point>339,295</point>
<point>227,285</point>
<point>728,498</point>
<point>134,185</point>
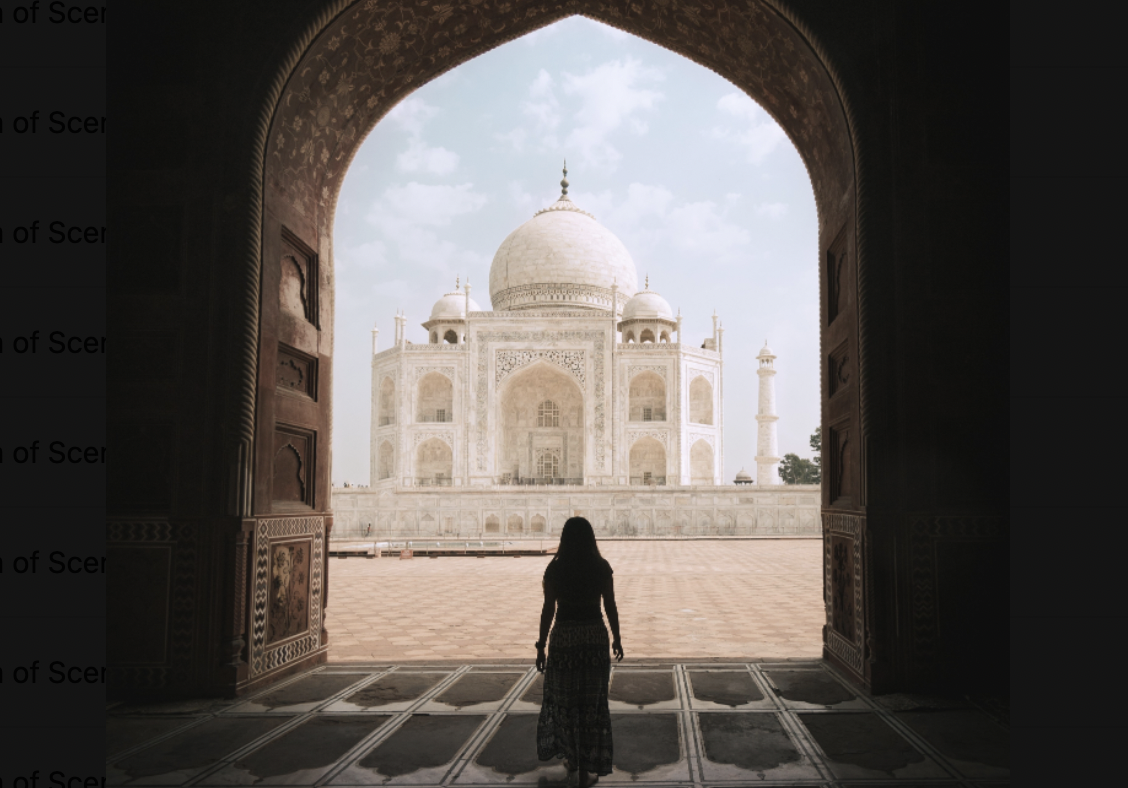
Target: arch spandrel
<point>373,55</point>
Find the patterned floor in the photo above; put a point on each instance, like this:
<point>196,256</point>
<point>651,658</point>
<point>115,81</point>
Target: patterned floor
<point>770,723</point>
<point>678,600</point>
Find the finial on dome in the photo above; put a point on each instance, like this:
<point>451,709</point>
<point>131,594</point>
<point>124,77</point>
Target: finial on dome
<point>458,283</point>
<point>564,182</point>
<point>648,281</point>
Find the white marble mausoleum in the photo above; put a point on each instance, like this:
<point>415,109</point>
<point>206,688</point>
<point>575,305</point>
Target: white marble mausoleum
<point>578,393</point>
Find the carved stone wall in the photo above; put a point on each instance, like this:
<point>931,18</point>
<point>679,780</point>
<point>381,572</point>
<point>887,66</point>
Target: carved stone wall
<point>672,511</point>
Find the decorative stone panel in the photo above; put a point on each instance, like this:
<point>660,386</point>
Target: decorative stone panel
<point>421,371</point>
<point>843,536</point>
<point>278,593</point>
<point>297,372</point>
<point>662,436</point>
<point>658,370</point>
<point>571,361</point>
<point>693,437</point>
<point>446,436</point>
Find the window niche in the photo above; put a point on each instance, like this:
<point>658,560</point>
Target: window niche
<point>294,468</point>
<point>298,284</point>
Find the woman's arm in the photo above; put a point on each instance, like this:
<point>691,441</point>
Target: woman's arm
<point>612,616</point>
<point>548,610</point>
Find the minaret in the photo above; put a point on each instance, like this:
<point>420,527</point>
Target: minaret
<point>375,340</point>
<point>466,316</point>
<point>767,441</point>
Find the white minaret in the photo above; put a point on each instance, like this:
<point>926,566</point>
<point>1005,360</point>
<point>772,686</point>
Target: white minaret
<point>767,440</point>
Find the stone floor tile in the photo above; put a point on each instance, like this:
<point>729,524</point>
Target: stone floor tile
<point>181,757</point>
<point>968,739</point>
<point>861,745</point>
<point>301,755</point>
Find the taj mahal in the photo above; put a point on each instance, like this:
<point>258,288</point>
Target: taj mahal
<point>577,394</point>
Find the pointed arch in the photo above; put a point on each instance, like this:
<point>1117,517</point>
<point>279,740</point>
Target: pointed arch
<point>434,463</point>
<point>700,400</point>
<point>385,461</point>
<point>434,398</point>
<point>646,395</point>
<point>647,462</point>
<point>387,404</point>
<point>701,463</point>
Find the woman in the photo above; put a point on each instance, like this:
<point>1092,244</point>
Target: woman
<point>575,723</point>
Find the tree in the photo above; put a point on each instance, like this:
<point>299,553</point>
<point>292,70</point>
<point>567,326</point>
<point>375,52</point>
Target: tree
<point>816,447</point>
<point>796,470</point>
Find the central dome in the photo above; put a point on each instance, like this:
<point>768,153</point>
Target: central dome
<point>562,258</point>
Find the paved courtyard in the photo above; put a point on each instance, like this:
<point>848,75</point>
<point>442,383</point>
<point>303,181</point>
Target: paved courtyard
<point>708,599</point>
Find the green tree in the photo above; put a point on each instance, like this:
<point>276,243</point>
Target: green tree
<point>816,447</point>
<point>796,470</point>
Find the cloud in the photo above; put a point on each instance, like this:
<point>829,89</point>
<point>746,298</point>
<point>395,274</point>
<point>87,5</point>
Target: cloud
<point>604,100</point>
<point>758,133</point>
<point>610,97</point>
<point>406,216</point>
<point>543,107</point>
<point>372,254</point>
<point>412,115</point>
<point>429,204</point>
<point>773,210</point>
<point>420,157</point>
<point>650,220</point>
<point>516,138</point>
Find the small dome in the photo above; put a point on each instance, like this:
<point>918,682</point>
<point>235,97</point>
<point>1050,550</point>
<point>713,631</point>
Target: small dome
<point>743,476</point>
<point>452,306</point>
<point>765,351</point>
<point>648,305</point>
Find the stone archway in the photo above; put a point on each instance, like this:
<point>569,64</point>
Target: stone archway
<point>540,422</point>
<point>266,185</point>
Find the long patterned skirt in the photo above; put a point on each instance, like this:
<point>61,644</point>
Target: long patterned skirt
<point>575,723</point>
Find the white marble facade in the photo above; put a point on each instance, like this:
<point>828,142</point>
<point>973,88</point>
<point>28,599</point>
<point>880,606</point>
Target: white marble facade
<point>577,380</point>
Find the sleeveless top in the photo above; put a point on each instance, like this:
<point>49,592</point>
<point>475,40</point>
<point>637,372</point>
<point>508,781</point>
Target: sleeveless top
<point>579,588</point>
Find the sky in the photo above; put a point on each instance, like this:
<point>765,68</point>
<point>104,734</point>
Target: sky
<point>697,180</point>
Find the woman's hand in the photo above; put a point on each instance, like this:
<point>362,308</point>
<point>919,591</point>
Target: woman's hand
<point>617,649</point>
<point>541,658</point>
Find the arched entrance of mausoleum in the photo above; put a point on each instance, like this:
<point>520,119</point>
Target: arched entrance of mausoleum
<point>540,426</point>
<point>350,64</point>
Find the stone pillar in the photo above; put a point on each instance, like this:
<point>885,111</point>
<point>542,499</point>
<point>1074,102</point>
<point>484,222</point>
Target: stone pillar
<point>767,441</point>
<point>375,340</point>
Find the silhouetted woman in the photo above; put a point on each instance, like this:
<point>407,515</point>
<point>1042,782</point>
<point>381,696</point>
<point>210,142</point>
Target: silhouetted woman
<point>575,723</point>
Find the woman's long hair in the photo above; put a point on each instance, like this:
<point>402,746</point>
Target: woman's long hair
<point>577,543</point>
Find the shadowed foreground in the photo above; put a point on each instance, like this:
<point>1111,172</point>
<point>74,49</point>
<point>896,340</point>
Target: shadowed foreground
<point>784,723</point>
